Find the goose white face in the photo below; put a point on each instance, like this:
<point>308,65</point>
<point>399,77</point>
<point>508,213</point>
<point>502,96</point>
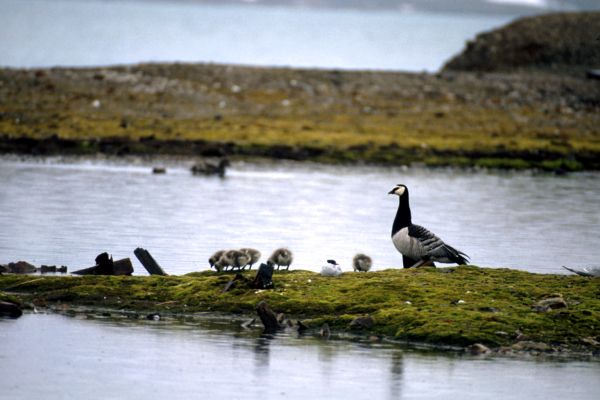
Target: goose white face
<point>398,190</point>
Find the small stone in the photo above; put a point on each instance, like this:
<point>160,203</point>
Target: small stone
<point>478,349</point>
<point>591,341</point>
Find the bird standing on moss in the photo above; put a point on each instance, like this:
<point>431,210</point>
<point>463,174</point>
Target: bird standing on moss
<point>362,262</point>
<point>417,245</point>
<point>282,257</point>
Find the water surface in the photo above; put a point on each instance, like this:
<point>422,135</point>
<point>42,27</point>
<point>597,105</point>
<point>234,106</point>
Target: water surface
<point>42,33</point>
<point>57,357</point>
<point>65,213</point>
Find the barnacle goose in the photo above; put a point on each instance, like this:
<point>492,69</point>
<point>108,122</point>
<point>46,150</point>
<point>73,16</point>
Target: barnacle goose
<point>417,245</point>
<point>282,257</point>
<point>361,262</point>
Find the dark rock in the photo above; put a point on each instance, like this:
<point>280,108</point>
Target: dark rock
<point>11,310</point>
<point>21,267</point>
<point>159,170</point>
<point>362,323</point>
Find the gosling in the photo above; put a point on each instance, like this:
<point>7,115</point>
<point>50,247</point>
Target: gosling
<point>238,259</point>
<point>282,258</point>
<point>361,263</point>
<point>253,254</point>
<point>215,258</point>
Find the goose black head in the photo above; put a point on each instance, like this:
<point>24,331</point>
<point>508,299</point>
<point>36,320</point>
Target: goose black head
<point>399,190</point>
<point>333,262</point>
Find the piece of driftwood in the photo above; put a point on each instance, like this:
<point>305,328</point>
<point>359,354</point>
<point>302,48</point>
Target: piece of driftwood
<point>148,262</point>
<point>264,277</point>
<point>119,267</point>
<point>237,278</point>
<point>267,317</point>
<point>11,310</point>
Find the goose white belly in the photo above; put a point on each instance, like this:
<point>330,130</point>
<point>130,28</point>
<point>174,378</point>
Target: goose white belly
<point>407,245</point>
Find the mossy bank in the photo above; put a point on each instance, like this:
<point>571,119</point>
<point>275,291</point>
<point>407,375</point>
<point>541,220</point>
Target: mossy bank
<point>458,306</point>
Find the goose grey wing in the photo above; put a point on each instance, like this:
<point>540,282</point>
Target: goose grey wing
<point>434,247</point>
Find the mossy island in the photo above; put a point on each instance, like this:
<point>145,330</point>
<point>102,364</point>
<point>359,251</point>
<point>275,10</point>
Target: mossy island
<point>535,109</point>
<point>506,310</point>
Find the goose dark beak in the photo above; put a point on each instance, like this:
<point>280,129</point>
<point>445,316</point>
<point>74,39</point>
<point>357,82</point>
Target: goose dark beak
<point>392,191</point>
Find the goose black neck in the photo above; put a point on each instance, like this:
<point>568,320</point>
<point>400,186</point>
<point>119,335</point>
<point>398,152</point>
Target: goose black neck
<point>403,218</point>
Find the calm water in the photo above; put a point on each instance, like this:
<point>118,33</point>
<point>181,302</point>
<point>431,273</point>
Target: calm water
<point>35,33</point>
<point>66,213</point>
<point>57,357</point>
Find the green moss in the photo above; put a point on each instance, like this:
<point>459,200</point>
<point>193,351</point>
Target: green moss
<point>413,304</point>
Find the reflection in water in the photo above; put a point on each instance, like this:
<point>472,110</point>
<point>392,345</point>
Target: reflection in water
<point>396,374</point>
<point>57,357</point>
<point>320,212</point>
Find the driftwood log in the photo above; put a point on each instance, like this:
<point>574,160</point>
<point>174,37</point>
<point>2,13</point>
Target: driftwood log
<point>263,278</point>
<point>267,317</point>
<point>119,267</point>
<point>148,262</point>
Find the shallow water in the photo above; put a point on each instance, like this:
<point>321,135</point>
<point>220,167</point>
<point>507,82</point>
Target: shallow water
<point>58,357</point>
<point>65,213</point>
<point>42,33</point>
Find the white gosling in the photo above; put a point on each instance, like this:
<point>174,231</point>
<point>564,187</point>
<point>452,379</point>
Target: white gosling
<point>361,263</point>
<point>282,257</point>
<point>332,268</point>
<point>253,254</point>
<point>417,245</point>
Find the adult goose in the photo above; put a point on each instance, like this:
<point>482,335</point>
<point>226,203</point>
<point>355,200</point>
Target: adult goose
<point>417,245</point>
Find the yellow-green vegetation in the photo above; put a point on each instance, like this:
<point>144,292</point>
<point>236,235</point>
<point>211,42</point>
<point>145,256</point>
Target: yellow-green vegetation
<point>451,306</point>
<point>520,120</point>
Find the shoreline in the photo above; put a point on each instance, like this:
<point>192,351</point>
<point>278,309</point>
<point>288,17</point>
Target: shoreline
<point>525,119</point>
